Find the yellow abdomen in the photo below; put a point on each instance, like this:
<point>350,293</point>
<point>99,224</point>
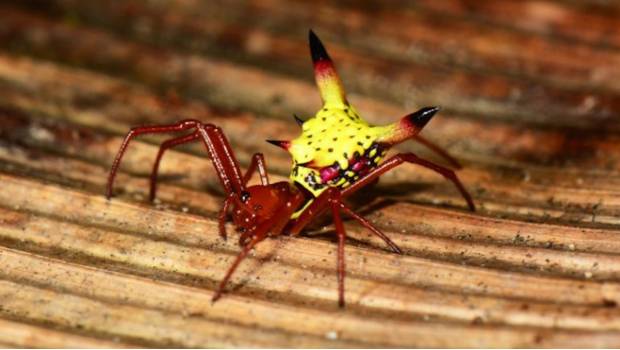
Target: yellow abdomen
<point>331,144</point>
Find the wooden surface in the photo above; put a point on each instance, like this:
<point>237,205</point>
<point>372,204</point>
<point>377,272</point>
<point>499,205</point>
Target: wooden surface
<point>530,92</point>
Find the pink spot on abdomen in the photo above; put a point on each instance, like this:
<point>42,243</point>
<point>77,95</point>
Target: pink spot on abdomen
<point>328,173</point>
<point>361,165</point>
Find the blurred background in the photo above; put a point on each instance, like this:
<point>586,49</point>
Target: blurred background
<point>530,102</point>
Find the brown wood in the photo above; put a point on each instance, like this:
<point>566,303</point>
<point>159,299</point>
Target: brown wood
<point>530,109</point>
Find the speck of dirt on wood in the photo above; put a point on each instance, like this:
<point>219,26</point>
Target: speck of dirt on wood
<point>331,335</point>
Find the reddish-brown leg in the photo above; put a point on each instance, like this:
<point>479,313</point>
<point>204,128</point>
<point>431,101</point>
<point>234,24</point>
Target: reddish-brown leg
<point>180,126</point>
<point>222,156</point>
<point>257,163</point>
<point>163,148</point>
<point>409,158</point>
<point>340,232</point>
<point>316,208</point>
<point>224,214</point>
<point>371,227</point>
<point>214,140</point>
<point>331,198</point>
<point>274,225</point>
<point>244,252</point>
<point>321,203</point>
<point>440,151</point>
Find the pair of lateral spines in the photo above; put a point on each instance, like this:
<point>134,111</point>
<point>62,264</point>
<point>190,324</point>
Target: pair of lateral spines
<point>332,92</point>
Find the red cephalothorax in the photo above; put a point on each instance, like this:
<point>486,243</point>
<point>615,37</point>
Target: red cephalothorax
<point>337,154</point>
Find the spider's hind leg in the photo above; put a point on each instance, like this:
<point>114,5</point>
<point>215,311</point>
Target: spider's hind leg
<point>270,227</point>
<point>411,158</point>
<point>332,199</point>
<point>439,150</point>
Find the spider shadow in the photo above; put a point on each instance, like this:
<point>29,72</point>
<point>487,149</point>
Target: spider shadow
<point>377,197</point>
<point>363,203</point>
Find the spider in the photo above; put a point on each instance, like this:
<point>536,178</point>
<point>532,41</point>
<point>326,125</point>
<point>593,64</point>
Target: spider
<point>336,155</point>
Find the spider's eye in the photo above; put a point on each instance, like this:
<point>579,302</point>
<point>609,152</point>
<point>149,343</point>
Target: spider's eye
<point>245,196</point>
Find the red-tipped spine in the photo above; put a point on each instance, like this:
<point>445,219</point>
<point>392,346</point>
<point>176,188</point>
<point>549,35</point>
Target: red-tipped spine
<point>325,74</point>
<point>409,126</point>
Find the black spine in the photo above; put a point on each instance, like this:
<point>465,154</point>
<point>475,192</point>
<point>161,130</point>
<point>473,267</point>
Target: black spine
<point>317,50</point>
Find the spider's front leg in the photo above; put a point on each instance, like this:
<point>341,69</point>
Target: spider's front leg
<point>271,226</point>
<point>218,149</point>
<point>217,146</point>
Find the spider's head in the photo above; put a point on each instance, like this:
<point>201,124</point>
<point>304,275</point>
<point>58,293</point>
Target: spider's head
<point>260,203</point>
<point>244,214</point>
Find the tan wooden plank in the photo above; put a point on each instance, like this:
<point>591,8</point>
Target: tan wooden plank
<point>111,286</point>
<point>145,325</point>
<point>139,292</point>
<point>16,334</point>
<point>191,230</point>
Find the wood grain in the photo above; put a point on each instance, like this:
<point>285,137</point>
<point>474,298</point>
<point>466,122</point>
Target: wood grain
<point>537,130</point>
